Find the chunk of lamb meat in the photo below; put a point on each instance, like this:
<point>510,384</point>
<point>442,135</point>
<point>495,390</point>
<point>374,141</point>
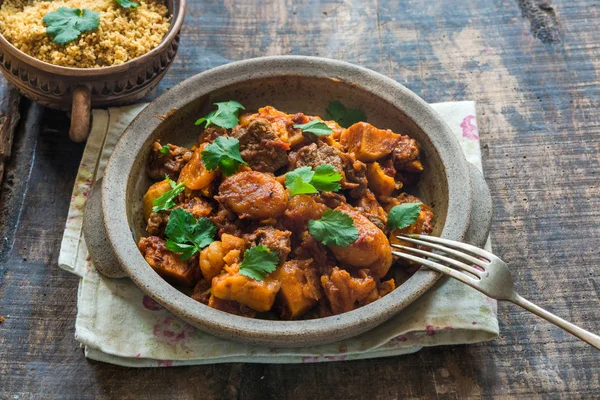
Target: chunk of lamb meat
<point>314,155</point>
<point>354,172</point>
<point>260,147</point>
<point>371,209</point>
<point>196,206</point>
<point>276,241</point>
<point>356,176</point>
<point>345,292</point>
<point>168,264</point>
<point>167,164</point>
<point>405,155</point>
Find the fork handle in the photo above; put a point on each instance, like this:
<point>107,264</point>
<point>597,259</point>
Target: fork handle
<point>582,334</point>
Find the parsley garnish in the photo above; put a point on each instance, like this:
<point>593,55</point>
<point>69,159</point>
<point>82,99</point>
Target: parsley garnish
<point>304,180</point>
<point>165,201</point>
<point>186,235</point>
<point>164,150</point>
<point>334,227</point>
<point>345,117</point>
<point>258,262</point>
<point>224,153</point>
<point>127,4</point>
<point>403,215</point>
<point>66,24</point>
<point>316,127</point>
<point>225,116</point>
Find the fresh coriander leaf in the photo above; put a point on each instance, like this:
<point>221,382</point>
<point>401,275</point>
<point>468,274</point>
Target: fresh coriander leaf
<point>176,227</point>
<point>258,262</point>
<point>304,173</point>
<point>337,112</point>
<point>316,127</point>
<point>304,180</point>
<point>334,228</point>
<point>186,250</point>
<point>299,186</point>
<point>224,153</point>
<point>326,178</point>
<point>66,24</point>
<point>203,233</point>
<point>225,116</point>
<point>127,4</point>
<point>166,201</point>
<point>164,150</point>
<point>403,215</point>
<point>186,235</point>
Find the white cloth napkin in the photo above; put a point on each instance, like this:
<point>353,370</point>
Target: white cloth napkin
<point>119,324</point>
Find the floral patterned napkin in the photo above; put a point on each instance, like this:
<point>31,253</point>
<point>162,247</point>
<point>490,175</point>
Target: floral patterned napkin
<point>117,323</point>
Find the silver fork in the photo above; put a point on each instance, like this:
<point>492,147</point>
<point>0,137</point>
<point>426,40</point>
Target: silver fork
<point>484,272</point>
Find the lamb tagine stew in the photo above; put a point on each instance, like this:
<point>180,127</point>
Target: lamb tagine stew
<point>283,214</point>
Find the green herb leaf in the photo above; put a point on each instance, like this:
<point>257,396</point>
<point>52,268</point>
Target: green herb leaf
<point>127,4</point>
<point>299,186</point>
<point>164,150</point>
<point>326,178</point>
<point>225,116</point>
<point>337,112</point>
<point>186,235</point>
<point>66,24</point>
<point>304,180</point>
<point>316,127</point>
<point>166,201</point>
<point>258,262</point>
<point>224,153</point>
<point>403,215</point>
<point>334,228</point>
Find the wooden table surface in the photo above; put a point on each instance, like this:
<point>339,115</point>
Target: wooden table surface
<point>531,65</point>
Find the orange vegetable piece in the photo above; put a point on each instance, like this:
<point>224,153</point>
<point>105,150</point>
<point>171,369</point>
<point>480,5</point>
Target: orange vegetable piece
<point>194,173</point>
<point>299,288</point>
<point>211,260</point>
<point>258,295</point>
<point>379,182</point>
<point>153,193</point>
<point>369,143</point>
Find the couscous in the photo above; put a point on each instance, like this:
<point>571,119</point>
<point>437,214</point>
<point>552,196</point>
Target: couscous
<point>122,34</point>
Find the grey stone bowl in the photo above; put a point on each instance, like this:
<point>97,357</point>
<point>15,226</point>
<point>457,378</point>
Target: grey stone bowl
<point>113,222</point>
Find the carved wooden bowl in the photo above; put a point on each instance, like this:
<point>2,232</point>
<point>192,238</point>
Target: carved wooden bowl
<point>79,89</point>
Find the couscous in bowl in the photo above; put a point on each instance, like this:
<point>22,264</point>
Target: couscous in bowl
<point>78,89</point>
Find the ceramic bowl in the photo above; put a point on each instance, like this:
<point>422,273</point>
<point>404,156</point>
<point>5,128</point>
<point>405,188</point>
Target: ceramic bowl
<point>79,89</point>
<point>293,84</point>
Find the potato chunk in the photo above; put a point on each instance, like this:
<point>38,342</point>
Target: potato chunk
<point>194,173</point>
<point>258,295</point>
<point>153,193</point>
<point>211,260</point>
<point>371,250</point>
<point>300,289</point>
<point>252,194</point>
<point>369,143</point>
<point>379,182</point>
<point>168,264</point>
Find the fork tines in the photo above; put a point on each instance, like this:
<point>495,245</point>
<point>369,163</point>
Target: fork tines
<point>476,266</point>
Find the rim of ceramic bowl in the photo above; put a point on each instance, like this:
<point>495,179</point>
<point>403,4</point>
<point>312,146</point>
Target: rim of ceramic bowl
<point>113,69</point>
<point>322,330</point>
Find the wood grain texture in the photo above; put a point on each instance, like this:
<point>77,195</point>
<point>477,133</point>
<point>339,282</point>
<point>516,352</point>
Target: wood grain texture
<point>9,117</point>
<point>537,103</point>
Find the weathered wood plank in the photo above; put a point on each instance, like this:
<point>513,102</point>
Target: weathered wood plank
<point>9,117</point>
<point>537,112</point>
